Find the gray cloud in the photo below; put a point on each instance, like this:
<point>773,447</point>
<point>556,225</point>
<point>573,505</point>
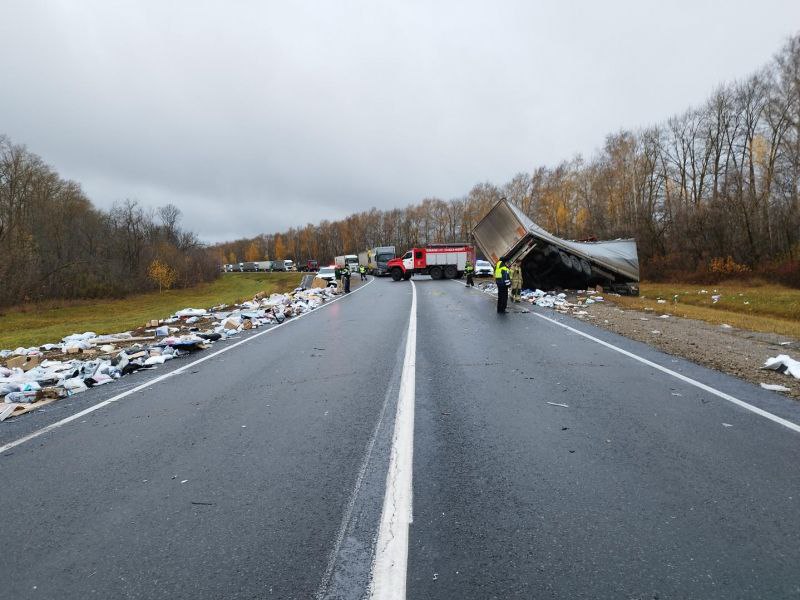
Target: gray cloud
<point>254,116</point>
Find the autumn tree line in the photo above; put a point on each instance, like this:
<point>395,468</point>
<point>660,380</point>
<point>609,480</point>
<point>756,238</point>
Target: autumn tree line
<point>55,244</point>
<point>712,189</point>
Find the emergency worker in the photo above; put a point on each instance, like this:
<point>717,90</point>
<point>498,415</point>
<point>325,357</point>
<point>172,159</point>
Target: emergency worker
<point>363,270</point>
<point>345,274</point>
<point>503,281</point>
<point>469,271</point>
<point>516,282</point>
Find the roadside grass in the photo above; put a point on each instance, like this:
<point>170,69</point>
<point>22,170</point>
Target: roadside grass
<point>754,306</point>
<point>40,323</point>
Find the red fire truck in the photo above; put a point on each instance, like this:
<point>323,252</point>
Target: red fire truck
<point>437,260</point>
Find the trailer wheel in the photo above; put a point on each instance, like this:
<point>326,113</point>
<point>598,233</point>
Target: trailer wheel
<point>436,272</point>
<point>576,264</point>
<point>397,274</point>
<point>565,259</point>
<point>450,272</point>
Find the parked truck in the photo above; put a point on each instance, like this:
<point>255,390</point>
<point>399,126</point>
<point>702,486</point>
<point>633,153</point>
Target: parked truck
<point>264,265</point>
<point>377,259</point>
<point>348,260</point>
<point>437,260</point>
<point>278,265</point>
<point>548,261</point>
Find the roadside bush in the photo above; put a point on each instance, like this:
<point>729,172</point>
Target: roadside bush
<point>786,272</point>
<point>727,266</point>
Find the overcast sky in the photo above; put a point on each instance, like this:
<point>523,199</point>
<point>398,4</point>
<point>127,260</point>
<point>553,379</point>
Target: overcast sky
<point>255,116</point>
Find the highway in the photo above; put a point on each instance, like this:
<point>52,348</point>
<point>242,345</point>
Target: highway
<point>406,441</point>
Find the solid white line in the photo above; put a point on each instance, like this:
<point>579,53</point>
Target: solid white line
<point>160,378</point>
<point>391,552</point>
<point>706,388</point>
<point>348,513</point>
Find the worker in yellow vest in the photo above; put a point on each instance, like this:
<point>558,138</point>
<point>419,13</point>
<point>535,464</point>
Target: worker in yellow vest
<point>503,281</point>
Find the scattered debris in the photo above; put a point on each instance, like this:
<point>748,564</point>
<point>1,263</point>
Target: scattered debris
<point>783,364</point>
<point>558,404</point>
<point>727,425</point>
<point>33,377</point>
<point>773,387</point>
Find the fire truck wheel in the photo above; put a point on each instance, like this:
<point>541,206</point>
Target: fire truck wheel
<point>397,274</point>
<point>450,272</point>
<point>436,272</point>
<point>407,276</point>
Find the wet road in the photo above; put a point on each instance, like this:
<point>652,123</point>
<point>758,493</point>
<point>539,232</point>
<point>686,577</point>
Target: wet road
<point>543,464</point>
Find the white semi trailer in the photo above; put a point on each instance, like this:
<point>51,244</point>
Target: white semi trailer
<point>548,261</point>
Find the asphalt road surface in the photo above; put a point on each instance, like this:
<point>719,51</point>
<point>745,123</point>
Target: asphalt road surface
<point>538,456</point>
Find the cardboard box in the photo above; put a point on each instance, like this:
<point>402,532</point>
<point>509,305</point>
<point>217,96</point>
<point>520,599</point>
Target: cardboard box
<point>26,363</point>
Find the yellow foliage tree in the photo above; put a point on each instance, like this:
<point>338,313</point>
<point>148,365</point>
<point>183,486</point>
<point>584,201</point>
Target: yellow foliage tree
<point>162,274</point>
<point>280,248</point>
<point>252,253</point>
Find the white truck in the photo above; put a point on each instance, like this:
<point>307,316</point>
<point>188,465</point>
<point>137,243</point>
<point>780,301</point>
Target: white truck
<point>376,259</point>
<point>348,260</point>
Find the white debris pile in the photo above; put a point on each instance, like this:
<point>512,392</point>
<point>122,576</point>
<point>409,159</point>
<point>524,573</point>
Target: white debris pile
<point>489,288</point>
<point>783,364</point>
<point>551,299</point>
<point>41,374</point>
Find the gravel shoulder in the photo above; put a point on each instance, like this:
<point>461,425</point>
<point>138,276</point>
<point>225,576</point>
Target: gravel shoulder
<point>734,351</point>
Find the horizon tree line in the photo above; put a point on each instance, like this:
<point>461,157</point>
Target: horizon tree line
<point>719,180</point>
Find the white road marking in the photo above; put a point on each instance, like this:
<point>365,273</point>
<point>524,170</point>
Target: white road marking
<point>391,552</point>
<point>348,513</point>
<point>161,378</point>
<point>706,388</point>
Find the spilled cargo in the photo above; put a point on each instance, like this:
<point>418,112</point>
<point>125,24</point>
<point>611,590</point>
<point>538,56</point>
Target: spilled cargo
<point>36,376</point>
<point>550,262</point>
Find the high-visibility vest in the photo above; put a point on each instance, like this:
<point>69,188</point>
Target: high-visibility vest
<point>499,270</point>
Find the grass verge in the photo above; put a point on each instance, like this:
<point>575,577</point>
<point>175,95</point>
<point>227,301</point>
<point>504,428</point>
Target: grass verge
<point>40,323</point>
<point>752,306</point>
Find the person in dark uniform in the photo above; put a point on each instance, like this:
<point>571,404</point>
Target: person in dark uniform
<point>503,281</point>
<point>469,271</point>
<point>346,279</point>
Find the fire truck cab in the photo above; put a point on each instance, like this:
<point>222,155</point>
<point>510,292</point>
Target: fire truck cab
<point>440,261</point>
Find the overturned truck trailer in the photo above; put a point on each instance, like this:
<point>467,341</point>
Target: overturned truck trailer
<point>549,262</point>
